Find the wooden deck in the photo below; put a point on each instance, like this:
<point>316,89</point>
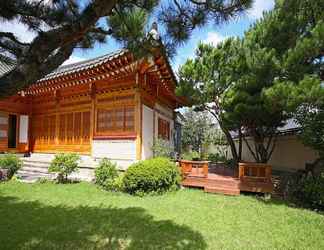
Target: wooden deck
<point>223,180</point>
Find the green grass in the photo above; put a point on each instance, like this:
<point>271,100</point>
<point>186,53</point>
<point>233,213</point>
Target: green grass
<point>81,216</point>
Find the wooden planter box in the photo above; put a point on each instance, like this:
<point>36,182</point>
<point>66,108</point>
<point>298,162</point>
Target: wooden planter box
<point>197,168</point>
<point>255,177</point>
<point>252,171</point>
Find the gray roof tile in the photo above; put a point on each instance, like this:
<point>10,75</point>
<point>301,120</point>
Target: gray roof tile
<point>7,65</point>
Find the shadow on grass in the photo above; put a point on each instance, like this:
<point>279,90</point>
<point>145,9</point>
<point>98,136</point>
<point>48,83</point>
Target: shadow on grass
<point>279,201</point>
<point>33,225</point>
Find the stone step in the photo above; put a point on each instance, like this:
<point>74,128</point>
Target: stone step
<point>33,173</point>
<point>30,177</point>
<point>34,169</point>
<point>40,163</point>
<point>222,190</point>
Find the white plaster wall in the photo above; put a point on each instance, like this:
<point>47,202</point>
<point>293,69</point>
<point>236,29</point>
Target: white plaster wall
<point>147,132</point>
<point>23,129</point>
<point>290,154</point>
<point>123,152</point>
<point>166,114</point>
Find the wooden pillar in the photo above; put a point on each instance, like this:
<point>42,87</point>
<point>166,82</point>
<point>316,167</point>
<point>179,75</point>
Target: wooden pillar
<point>93,116</point>
<point>138,119</point>
<point>57,116</point>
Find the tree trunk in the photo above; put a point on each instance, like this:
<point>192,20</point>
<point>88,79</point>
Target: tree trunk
<point>51,48</point>
<point>231,142</point>
<point>262,153</point>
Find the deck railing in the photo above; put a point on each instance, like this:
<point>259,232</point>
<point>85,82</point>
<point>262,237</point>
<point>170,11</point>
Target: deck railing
<point>258,172</point>
<point>198,168</point>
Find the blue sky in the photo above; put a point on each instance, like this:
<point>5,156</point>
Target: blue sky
<point>210,34</point>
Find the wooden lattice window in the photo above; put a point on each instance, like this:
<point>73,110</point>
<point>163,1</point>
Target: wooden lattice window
<point>129,119</point>
<point>105,120</point>
<point>119,119</point>
<point>163,129</point>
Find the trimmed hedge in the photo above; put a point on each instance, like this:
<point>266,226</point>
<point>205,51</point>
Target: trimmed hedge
<point>157,175</point>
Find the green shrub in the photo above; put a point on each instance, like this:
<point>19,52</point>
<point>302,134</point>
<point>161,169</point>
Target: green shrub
<point>216,157</point>
<point>313,192</point>
<point>63,165</point>
<point>193,155</point>
<point>106,173</point>
<point>155,175</point>
<point>162,148</point>
<point>306,191</point>
<point>10,162</point>
<point>303,189</point>
<point>118,184</point>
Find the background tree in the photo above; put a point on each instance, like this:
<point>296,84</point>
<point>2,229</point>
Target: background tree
<point>245,103</point>
<point>251,85</point>
<point>310,114</point>
<point>198,131</point>
<point>205,79</point>
<point>62,25</point>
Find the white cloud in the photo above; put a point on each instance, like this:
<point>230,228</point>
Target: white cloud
<point>73,59</point>
<point>259,6</point>
<point>19,30</point>
<point>188,52</point>
<point>214,38</point>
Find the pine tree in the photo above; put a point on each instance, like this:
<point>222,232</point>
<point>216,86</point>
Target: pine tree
<point>62,25</point>
<point>254,85</point>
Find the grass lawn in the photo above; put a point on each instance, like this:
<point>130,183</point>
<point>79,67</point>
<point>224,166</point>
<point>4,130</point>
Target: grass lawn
<point>81,216</point>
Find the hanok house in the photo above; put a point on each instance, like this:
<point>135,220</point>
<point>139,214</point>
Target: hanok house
<point>112,106</point>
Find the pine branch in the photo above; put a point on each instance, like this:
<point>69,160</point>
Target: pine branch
<point>30,66</point>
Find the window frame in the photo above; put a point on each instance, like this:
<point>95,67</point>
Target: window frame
<point>164,129</point>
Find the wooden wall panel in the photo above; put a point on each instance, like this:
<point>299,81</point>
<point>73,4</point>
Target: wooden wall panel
<point>74,132</point>
<point>62,125</point>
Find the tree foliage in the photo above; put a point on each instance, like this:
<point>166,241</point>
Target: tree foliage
<point>310,114</point>
<point>255,84</point>
<point>63,25</point>
<point>205,80</point>
<point>198,131</point>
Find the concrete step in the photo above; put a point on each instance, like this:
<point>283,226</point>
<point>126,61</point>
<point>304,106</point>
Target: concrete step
<point>222,190</point>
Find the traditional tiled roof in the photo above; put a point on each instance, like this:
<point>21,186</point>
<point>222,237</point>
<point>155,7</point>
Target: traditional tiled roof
<point>7,64</point>
<point>84,65</point>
